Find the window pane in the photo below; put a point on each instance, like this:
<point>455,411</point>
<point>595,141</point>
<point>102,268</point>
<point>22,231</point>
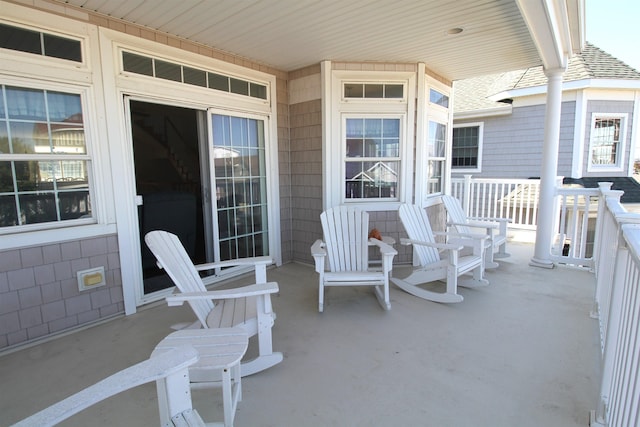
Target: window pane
<point>74,205</point>
<point>465,147</point>
<point>434,179</point>
<point>29,138</point>
<point>605,141</point>
<point>37,208</point>
<point>26,104</point>
<point>6,177</point>
<point>64,107</point>
<point>258,91</point>
<point>438,98</point>
<point>353,90</point>
<point>168,71</point>
<point>219,82</point>
<point>194,77</point>
<point>371,179</point>
<point>16,38</point>
<point>8,212</point>
<point>437,139</point>
<point>4,138</point>
<point>59,47</point>
<point>27,176</point>
<point>373,91</point>
<point>137,64</point>
<point>240,87</point>
<point>394,91</point>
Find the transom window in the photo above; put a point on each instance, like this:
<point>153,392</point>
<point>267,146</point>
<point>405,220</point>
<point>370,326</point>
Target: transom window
<point>374,90</point>
<point>607,139</point>
<point>44,165</point>
<point>438,98</point>
<point>39,43</point>
<point>158,68</point>
<point>466,147</point>
<point>372,158</point>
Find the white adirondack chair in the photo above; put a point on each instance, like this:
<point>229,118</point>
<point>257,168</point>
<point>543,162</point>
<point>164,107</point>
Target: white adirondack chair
<point>494,228</point>
<point>346,245</point>
<point>439,261</point>
<point>171,373</point>
<point>248,307</point>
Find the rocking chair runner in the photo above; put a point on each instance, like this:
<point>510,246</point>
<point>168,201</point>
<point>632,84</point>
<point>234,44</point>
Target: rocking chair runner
<point>495,229</point>
<point>346,246</point>
<point>433,264</point>
<point>248,307</point>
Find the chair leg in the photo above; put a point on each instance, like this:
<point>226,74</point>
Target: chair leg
<point>321,297</point>
<point>382,294</point>
<point>489,263</point>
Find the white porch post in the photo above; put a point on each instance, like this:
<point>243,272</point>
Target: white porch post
<point>544,232</point>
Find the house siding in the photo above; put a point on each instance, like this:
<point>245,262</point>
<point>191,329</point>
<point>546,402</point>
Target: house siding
<point>39,293</point>
<point>512,144</point>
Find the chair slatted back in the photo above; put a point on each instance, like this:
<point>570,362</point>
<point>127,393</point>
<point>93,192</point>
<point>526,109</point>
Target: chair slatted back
<point>346,234</point>
<point>456,213</point>
<point>173,258</point>
<point>416,224</point>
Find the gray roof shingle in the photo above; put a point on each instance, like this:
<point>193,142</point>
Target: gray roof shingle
<point>592,63</point>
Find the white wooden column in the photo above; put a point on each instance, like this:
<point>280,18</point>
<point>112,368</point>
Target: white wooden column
<point>544,232</point>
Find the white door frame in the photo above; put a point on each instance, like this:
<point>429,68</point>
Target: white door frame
<point>119,85</point>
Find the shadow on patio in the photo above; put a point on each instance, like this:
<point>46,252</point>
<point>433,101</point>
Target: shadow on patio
<point>521,352</point>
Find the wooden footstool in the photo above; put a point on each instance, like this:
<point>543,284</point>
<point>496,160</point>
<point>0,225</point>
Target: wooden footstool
<point>220,351</point>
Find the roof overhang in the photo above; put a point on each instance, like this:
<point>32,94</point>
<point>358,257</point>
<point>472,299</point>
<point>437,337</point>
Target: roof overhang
<point>456,40</point>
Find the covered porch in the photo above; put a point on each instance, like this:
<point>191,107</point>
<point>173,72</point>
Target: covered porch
<point>523,351</point>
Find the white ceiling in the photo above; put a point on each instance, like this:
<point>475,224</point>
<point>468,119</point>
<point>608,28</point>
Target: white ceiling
<point>291,34</point>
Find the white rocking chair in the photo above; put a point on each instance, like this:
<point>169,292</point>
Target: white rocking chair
<point>169,370</point>
<point>433,265</point>
<point>248,307</point>
<point>346,245</point>
<point>494,228</point>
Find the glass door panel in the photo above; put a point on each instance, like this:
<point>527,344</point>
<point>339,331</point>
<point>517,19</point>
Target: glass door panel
<point>239,179</point>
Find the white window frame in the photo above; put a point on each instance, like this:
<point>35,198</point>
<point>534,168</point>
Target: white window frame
<point>402,119</point>
<point>622,143</point>
<point>54,74</point>
<point>337,107</point>
<point>478,168</point>
<point>429,112</point>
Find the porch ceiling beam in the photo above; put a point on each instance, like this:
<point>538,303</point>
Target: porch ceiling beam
<point>557,29</point>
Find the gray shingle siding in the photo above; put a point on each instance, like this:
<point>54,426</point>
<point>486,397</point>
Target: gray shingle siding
<point>512,145</point>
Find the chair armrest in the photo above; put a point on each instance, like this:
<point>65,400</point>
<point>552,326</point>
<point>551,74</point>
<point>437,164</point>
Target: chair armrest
<point>245,291</point>
<point>155,368</point>
<point>473,236</point>
<point>260,260</point>
<point>385,249</point>
<point>480,219</point>
<point>477,223</point>
<point>317,249</point>
<point>445,246</point>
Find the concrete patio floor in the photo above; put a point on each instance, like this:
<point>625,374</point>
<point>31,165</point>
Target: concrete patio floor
<point>520,352</point>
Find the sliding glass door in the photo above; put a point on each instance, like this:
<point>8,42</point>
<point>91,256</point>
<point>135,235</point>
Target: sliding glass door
<point>239,183</point>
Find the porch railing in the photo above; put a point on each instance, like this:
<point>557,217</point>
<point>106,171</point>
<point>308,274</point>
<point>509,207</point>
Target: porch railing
<point>576,209</point>
<point>499,198</point>
<point>617,308</point>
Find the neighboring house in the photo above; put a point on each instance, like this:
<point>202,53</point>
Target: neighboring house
<point>499,123</point>
<point>231,124</point>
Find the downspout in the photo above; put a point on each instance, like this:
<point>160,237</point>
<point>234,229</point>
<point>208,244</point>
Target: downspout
<point>544,233</point>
